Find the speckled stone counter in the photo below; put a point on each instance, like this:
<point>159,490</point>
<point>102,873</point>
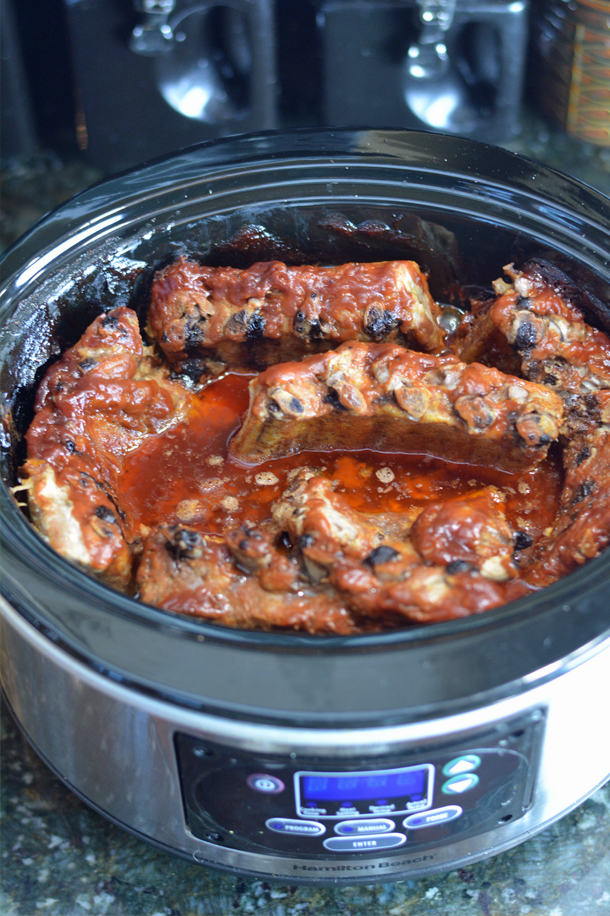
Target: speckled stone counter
<point>59,858</point>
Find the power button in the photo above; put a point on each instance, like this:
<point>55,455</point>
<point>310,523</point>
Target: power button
<point>262,782</point>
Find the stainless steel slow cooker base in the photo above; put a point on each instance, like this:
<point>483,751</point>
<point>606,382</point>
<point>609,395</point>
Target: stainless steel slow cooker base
<point>115,747</point>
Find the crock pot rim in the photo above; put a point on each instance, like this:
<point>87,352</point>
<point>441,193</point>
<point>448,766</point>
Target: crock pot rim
<point>358,141</point>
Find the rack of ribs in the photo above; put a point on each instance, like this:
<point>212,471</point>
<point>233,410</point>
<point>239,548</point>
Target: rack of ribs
<point>207,318</point>
<point>383,397</point>
<point>582,526</point>
<point>102,399</point>
<point>342,573</point>
<point>545,331</point>
<point>469,569</point>
<point>537,318</point>
<point>184,571</point>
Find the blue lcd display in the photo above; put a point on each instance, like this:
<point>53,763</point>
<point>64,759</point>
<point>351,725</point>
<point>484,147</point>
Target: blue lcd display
<point>373,786</point>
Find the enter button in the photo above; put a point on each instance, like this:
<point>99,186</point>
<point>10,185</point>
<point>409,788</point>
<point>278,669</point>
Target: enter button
<point>432,818</point>
<point>363,843</point>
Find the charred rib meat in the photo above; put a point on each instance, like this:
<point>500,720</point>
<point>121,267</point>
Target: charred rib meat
<point>582,527</point>
<point>546,332</point>
<point>343,573</point>
<point>536,317</point>
<point>271,313</point>
<point>184,571</point>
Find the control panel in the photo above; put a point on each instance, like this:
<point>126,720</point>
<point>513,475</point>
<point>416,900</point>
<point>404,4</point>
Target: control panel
<point>300,806</point>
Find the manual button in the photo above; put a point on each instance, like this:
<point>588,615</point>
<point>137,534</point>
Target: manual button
<point>364,843</point>
<point>358,828</point>
<point>289,825</point>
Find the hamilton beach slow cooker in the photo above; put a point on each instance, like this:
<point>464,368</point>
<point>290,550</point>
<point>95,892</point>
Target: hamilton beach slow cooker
<point>283,756</point>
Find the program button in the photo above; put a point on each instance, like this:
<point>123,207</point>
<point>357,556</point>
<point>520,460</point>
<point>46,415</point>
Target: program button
<point>300,828</point>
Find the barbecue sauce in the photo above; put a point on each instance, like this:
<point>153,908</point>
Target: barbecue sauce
<point>186,476</point>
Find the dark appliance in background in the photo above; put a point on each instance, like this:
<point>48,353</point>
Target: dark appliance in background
<point>146,77</point>
<point>155,75</point>
<point>17,131</point>
<point>436,64</point>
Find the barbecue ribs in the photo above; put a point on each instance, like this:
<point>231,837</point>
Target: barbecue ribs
<point>342,572</point>
<point>384,397</point>
<point>207,318</point>
<point>102,399</point>
<point>315,563</point>
<point>537,317</point>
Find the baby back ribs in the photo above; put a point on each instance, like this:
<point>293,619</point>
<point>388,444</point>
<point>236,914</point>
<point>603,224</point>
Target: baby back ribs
<point>271,312</point>
<point>538,318</point>
<point>546,331</point>
<point>182,570</point>
<point>103,398</point>
<point>317,564</point>
<point>383,577</point>
<point>384,397</point>
<point>343,572</point>
<point>582,527</point>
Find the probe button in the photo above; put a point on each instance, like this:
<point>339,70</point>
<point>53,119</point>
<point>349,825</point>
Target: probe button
<point>431,818</point>
<point>460,765</point>
<point>289,825</point>
<point>359,828</point>
<point>262,782</point>
<point>364,843</point>
<point>458,784</point>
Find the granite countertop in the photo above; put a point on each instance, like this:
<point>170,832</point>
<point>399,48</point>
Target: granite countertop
<point>59,858</point>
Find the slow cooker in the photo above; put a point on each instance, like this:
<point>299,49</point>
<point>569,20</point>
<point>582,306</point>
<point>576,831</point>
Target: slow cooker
<point>284,756</point>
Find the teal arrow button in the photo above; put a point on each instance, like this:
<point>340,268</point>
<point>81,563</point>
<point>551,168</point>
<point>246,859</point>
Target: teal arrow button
<point>464,764</point>
<point>458,784</point>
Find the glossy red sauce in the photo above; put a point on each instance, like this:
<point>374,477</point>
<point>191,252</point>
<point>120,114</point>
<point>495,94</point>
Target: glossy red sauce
<point>185,475</point>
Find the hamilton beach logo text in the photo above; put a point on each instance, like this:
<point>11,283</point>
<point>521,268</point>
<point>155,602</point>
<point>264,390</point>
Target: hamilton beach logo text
<point>396,863</point>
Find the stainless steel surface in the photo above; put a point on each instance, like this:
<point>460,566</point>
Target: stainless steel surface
<point>154,34</point>
<point>434,90</point>
<point>115,747</point>
<point>439,82</point>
